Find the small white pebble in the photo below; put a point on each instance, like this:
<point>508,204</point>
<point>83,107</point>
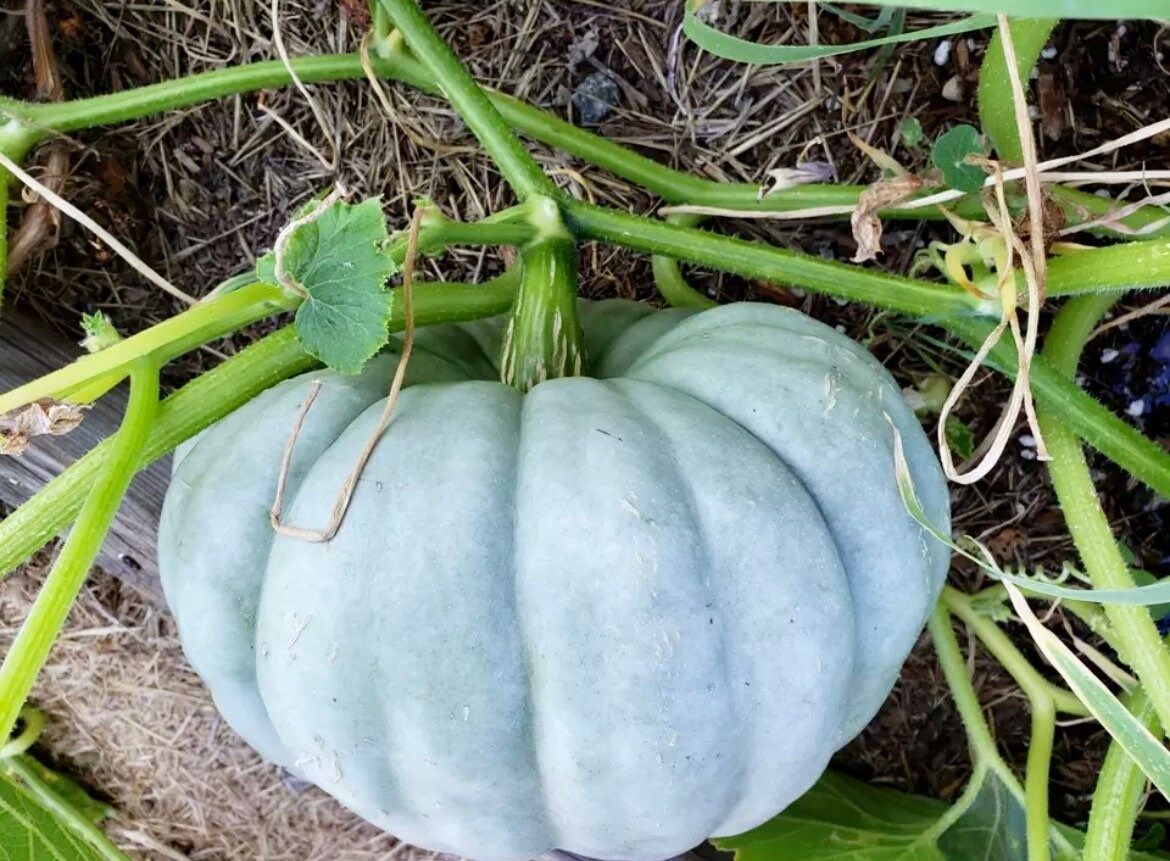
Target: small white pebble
<point>840,328</point>
<point>942,53</point>
<point>952,90</point>
<point>1136,408</point>
<point>1028,441</point>
<point>1028,454</point>
<point>1108,356</point>
<point>1049,52</point>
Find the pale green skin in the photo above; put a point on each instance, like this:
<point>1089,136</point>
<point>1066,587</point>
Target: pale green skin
<point>614,616</point>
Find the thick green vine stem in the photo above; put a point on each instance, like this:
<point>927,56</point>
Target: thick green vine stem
<point>218,392</point>
<point>37,121</point>
<point>1120,790</point>
<point>1138,641</point>
<point>173,337</point>
<point>1059,394</point>
<point>996,101</point>
<point>35,638</point>
<point>542,338</point>
<point>766,262</point>
<point>469,101</point>
<point>1119,794</point>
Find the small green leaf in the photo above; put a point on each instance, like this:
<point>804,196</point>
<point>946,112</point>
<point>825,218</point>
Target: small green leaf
<point>99,332</point>
<point>859,822</point>
<point>31,830</point>
<point>1152,839</point>
<point>993,827</point>
<point>847,820</point>
<point>950,156</point>
<point>912,133</point>
<point>960,437</point>
<point>339,260</point>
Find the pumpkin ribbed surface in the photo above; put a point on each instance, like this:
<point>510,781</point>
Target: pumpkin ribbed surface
<point>615,615</point>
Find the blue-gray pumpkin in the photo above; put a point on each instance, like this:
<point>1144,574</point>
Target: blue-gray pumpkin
<point>615,615</point>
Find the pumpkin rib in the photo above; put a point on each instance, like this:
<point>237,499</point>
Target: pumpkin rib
<point>816,502</point>
<point>547,814</point>
<point>679,480</point>
<point>865,378</point>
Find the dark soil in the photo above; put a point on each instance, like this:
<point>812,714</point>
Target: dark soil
<point>201,193</point>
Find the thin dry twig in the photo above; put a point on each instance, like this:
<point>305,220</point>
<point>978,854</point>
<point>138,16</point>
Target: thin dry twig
<point>1112,220</point>
<point>318,115</point>
<point>341,506</point>
<point>1031,159</point>
<point>1144,311</point>
<point>81,218</point>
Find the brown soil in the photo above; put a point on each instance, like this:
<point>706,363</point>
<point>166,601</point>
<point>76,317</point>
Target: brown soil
<point>199,193</point>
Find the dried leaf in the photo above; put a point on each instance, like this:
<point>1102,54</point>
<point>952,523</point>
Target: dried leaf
<point>38,419</point>
<point>788,177</point>
<point>867,227</point>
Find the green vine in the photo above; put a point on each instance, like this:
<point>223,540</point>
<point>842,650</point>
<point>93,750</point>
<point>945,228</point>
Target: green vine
<point>1137,637</point>
<point>35,638</point>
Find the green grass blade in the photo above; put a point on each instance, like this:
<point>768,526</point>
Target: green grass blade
<point>745,51</point>
<point>980,14</point>
<point>1083,9</point>
<point>1146,750</point>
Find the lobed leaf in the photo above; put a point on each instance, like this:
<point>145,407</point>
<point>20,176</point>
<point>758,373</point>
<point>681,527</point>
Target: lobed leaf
<point>338,259</point>
<point>842,819</point>
<point>950,153</point>
<point>31,831</point>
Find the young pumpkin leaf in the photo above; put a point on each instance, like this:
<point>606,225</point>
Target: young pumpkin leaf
<point>950,153</point>
<point>961,438</point>
<point>32,827</point>
<point>338,260</point>
<point>912,131</point>
<point>861,822</point>
<point>846,820</point>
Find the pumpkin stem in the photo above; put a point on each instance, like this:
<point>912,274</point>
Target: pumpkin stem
<point>542,340</point>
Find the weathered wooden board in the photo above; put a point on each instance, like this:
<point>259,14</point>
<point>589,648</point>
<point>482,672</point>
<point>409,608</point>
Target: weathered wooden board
<point>28,350</point>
